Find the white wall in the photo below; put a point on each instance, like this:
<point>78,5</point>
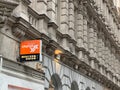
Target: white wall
<point>6,80</point>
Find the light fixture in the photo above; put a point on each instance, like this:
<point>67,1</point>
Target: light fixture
<point>58,54</point>
<point>76,67</point>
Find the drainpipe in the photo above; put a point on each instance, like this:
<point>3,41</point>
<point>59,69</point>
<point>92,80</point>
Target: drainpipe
<point>1,62</point>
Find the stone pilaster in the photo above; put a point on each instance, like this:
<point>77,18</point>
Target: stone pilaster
<point>85,33</point>
<point>79,28</point>
<point>98,5</point>
<point>51,6</point>
<point>52,27</point>
<point>91,42</point>
<point>43,24</point>
<point>64,17</point>
<point>64,23</point>
<point>22,10</point>
<point>95,42</point>
<point>41,6</point>
<point>92,62</point>
<point>65,43</point>
<point>100,49</point>
<point>71,19</point>
<point>51,10</point>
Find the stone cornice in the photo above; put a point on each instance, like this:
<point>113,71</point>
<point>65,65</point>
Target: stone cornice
<point>26,1</point>
<point>26,27</point>
<point>6,9</point>
<point>113,10</point>
<point>53,24</point>
<point>21,68</point>
<point>88,71</point>
<point>80,48</point>
<point>8,5</point>
<point>38,16</point>
<point>71,60</point>
<point>59,33</point>
<point>44,16</point>
<point>98,19</point>
<point>66,36</point>
<point>33,12</point>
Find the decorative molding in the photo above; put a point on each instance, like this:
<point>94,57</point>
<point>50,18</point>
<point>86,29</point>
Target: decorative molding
<point>6,9</point>
<point>53,24</point>
<point>44,16</point>
<point>27,2</point>
<point>18,33</point>
<point>22,68</point>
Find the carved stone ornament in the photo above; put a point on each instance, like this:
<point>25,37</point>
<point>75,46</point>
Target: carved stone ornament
<point>2,21</point>
<point>6,9</point>
<point>18,33</point>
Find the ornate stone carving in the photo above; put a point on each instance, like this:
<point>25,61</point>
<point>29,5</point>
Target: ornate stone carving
<point>18,32</point>
<point>6,9</point>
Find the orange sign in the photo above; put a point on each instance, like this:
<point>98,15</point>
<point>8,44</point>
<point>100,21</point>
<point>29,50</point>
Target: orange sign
<point>30,50</point>
<point>30,47</point>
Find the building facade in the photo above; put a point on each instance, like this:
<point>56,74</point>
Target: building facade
<point>85,31</point>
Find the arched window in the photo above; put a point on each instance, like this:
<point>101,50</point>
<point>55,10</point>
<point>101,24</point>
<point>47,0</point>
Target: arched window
<point>74,86</point>
<point>55,83</point>
<point>87,88</point>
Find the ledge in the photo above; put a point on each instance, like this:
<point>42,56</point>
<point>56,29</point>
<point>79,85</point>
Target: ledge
<point>53,24</point>
<point>44,16</point>
<point>33,12</point>
<point>7,4</point>
<point>26,1</point>
<point>21,68</point>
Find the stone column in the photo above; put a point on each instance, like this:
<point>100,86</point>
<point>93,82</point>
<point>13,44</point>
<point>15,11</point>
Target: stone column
<point>22,10</point>
<point>85,33</point>
<point>100,49</point>
<point>101,6</point>
<point>98,5</point>
<point>103,47</point>
<point>95,42</point>
<point>64,17</point>
<point>71,19</point>
<point>51,10</point>
<point>104,10</point>
<point>72,25</point>
<point>80,29</point>
<point>43,24</point>
<point>91,45</point>
<point>91,42</point>
<point>64,22</point>
<point>41,8</point>
<point>51,6</point>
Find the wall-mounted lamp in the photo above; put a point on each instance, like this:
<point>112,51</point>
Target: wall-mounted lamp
<point>58,54</point>
<point>76,67</point>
